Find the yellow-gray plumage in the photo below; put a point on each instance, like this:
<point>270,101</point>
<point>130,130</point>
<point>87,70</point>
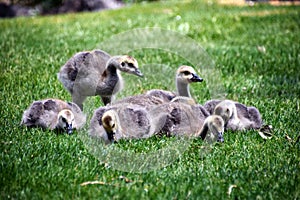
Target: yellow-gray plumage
<point>212,129</point>
<point>94,73</point>
<point>182,99</point>
<point>144,100</point>
<point>54,114</point>
<point>128,121</point>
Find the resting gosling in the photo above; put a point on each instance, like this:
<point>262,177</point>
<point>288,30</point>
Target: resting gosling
<point>185,75</point>
<point>185,119</point>
<point>128,121</point>
<point>182,119</point>
<point>212,129</point>
<point>96,73</point>
<point>236,115</point>
<point>54,114</point>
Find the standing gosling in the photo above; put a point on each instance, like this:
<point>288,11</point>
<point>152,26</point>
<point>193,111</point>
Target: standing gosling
<point>96,73</point>
<point>54,114</point>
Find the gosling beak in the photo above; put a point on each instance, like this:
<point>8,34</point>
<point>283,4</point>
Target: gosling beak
<point>69,129</point>
<point>138,73</point>
<point>220,137</point>
<point>196,78</point>
<point>111,136</point>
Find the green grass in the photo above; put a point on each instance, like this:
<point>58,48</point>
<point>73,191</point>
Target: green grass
<point>38,164</point>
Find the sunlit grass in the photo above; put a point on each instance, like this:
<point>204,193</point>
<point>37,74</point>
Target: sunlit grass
<point>256,49</point>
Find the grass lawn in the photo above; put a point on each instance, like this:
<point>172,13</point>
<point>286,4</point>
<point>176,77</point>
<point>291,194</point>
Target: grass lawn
<point>256,52</point>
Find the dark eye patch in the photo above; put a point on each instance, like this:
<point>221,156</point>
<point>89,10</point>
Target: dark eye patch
<point>130,65</point>
<point>186,73</point>
<point>122,64</point>
<point>64,120</point>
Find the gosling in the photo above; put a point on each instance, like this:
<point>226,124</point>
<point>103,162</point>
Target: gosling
<point>212,129</point>
<point>54,114</point>
<point>93,73</point>
<point>182,119</point>
<point>184,76</point>
<point>128,121</point>
<point>185,119</point>
<point>236,116</point>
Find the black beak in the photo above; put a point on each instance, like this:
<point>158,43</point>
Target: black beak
<point>138,73</point>
<point>220,137</point>
<point>196,78</point>
<point>111,136</point>
<point>69,129</point>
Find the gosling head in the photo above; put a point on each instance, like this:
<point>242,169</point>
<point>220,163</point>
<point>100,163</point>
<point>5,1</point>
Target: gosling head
<point>187,75</point>
<point>225,110</point>
<point>110,124</point>
<point>129,65</point>
<point>66,120</point>
<point>216,126</point>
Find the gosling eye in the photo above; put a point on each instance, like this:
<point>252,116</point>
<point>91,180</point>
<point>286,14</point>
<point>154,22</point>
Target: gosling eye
<point>122,64</point>
<point>130,65</point>
<point>186,73</point>
<point>227,110</point>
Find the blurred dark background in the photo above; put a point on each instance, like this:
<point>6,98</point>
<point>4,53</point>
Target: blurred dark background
<point>15,8</point>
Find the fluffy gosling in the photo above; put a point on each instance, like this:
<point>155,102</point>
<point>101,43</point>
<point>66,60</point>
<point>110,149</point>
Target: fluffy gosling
<point>128,121</point>
<point>96,73</point>
<point>236,115</point>
<point>54,114</point>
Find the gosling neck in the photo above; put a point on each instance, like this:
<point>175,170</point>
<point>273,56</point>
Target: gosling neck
<point>234,113</point>
<point>110,78</point>
<point>111,67</point>
<point>183,89</point>
<point>203,131</point>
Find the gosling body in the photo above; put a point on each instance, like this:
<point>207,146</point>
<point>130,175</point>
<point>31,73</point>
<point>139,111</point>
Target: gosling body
<point>190,120</point>
<point>181,119</point>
